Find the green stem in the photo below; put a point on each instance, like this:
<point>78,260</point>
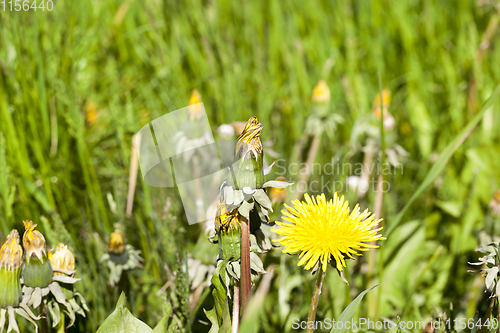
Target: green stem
<point>45,322</point>
<point>315,300</point>
<point>382,223</point>
<point>61,327</point>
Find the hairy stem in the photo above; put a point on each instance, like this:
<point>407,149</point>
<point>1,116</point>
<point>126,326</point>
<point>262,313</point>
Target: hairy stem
<point>315,299</point>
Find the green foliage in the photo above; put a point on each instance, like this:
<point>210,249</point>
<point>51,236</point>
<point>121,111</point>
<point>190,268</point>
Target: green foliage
<point>219,316</point>
<point>127,63</point>
<point>347,314</point>
<point>121,320</point>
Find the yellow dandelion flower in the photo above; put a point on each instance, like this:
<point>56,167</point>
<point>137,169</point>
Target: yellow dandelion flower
<point>62,258</point>
<point>386,99</point>
<point>33,242</point>
<point>322,229</point>
<point>11,253</point>
<point>116,242</point>
<point>321,93</point>
<point>92,114</point>
<point>195,109</point>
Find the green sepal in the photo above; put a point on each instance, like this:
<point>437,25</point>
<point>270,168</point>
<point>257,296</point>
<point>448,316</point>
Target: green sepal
<point>10,287</point>
<point>37,273</point>
<point>230,243</point>
<point>248,171</point>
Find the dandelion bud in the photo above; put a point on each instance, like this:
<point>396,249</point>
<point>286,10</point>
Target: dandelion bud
<point>38,271</point>
<point>195,109</point>
<point>11,262</point>
<point>379,105</point>
<point>91,114</point>
<point>120,257</point>
<point>62,258</point>
<point>33,242</point>
<point>228,228</point>
<point>116,242</point>
<point>386,99</point>
<point>248,167</point>
<point>321,93</point>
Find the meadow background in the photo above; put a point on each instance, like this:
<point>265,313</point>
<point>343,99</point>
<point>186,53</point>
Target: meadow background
<point>77,82</point>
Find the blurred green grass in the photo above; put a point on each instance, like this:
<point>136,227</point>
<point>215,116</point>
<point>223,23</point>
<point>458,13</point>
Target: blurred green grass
<point>135,61</point>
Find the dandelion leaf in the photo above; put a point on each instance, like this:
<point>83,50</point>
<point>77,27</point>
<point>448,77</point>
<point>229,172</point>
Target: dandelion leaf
<point>347,314</point>
<point>122,321</point>
<point>219,316</point>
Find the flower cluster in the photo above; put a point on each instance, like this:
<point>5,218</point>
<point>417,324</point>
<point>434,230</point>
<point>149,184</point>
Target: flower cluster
<point>34,277</point>
<point>243,198</point>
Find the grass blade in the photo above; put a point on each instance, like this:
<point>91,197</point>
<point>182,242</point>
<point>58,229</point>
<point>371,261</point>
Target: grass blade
<point>443,159</point>
<point>346,315</point>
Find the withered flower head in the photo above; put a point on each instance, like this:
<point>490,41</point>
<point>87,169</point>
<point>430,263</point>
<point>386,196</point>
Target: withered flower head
<point>116,242</point>
<point>62,258</point>
<point>33,242</point>
<point>251,137</point>
<point>321,93</point>
<point>11,253</point>
<point>249,163</point>
<point>195,109</point>
<point>226,219</point>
